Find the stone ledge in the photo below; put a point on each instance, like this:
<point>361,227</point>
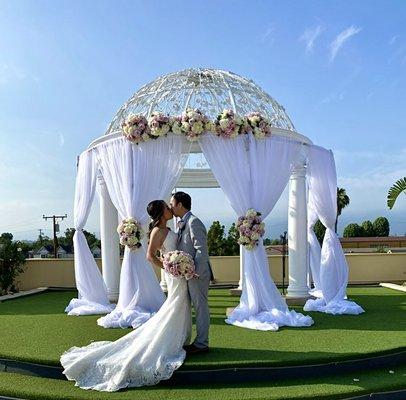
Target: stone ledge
<point>402,288</point>
<point>23,293</point>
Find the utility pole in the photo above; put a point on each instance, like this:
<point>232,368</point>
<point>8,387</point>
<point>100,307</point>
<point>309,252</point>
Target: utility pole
<point>56,229</point>
<point>40,236</point>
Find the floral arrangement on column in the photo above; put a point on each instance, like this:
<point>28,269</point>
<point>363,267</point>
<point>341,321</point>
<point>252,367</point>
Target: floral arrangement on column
<point>250,228</point>
<point>131,233</point>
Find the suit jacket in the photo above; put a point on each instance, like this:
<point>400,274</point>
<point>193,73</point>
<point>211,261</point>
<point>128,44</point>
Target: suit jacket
<point>193,240</point>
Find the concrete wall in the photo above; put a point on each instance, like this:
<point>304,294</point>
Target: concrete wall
<point>364,268</point>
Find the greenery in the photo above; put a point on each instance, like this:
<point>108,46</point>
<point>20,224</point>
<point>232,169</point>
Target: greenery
<point>368,229</point>
<point>381,226</point>
<point>12,260</point>
<point>319,230</point>
<point>396,189</point>
<point>342,201</point>
<point>353,230</point>
<point>221,245</point>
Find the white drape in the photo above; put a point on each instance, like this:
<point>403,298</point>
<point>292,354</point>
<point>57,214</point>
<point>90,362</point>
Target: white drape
<point>89,281</point>
<point>314,250</point>
<point>134,176</point>
<point>253,174</point>
<point>322,179</point>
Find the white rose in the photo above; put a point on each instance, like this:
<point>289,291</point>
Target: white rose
<point>223,123</point>
<point>185,126</point>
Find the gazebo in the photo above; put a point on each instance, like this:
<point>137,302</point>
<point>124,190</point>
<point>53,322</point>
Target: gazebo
<point>211,91</point>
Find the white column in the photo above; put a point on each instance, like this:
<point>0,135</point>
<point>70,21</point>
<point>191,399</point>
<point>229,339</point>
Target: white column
<point>109,243</point>
<point>241,267</point>
<point>297,235</point>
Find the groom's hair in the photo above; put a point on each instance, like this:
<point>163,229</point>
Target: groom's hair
<point>184,198</point>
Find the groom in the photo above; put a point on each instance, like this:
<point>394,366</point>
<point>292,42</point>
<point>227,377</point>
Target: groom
<point>192,239</point>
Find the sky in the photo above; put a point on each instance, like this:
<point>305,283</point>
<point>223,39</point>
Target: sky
<point>338,68</point>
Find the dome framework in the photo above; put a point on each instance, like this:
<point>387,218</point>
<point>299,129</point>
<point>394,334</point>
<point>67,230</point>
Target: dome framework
<point>211,91</point>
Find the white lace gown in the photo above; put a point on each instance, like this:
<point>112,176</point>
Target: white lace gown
<point>147,355</point>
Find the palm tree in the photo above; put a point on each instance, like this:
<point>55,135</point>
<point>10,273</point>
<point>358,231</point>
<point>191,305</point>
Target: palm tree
<point>396,189</point>
<point>342,201</point>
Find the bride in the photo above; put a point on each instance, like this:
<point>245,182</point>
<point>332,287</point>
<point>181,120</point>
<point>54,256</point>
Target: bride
<point>153,351</point>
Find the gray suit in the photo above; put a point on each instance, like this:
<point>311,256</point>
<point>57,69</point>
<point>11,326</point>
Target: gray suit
<point>193,240</point>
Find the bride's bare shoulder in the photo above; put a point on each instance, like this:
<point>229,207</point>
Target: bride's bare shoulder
<point>158,232</point>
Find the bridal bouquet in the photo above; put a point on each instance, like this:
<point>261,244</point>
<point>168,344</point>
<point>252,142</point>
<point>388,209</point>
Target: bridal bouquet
<point>250,228</point>
<point>135,128</point>
<point>159,124</point>
<point>193,124</point>
<point>260,126</point>
<point>179,264</point>
<point>131,233</point>
<point>229,125</point>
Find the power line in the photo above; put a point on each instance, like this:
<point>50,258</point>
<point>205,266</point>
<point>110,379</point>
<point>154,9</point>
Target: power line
<point>56,229</point>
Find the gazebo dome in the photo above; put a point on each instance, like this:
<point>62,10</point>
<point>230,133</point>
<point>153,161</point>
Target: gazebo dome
<point>209,90</point>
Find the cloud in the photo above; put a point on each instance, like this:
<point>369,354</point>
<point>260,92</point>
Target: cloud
<point>61,139</point>
<point>309,36</point>
<point>393,39</point>
<point>268,35</point>
<point>9,73</point>
<point>340,39</point>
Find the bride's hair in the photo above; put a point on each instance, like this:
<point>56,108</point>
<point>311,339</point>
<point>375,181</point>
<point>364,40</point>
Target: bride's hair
<point>155,210</point>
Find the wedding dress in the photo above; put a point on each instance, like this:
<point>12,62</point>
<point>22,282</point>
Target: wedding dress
<point>149,354</point>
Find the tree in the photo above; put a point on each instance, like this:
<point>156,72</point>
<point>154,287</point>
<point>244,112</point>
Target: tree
<point>342,201</point>
<point>12,261</point>
<point>381,226</point>
<point>353,230</point>
<point>396,189</point>
<point>368,228</point>
<point>319,229</point>
<point>215,239</point>
<point>267,242</point>
<point>6,237</point>
<point>232,247</point>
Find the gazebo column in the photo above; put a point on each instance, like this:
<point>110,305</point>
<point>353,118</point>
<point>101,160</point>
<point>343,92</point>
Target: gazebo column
<point>297,235</point>
<point>241,267</point>
<point>109,243</point>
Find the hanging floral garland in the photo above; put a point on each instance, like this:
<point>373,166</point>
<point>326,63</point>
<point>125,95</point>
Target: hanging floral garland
<point>250,228</point>
<point>229,125</point>
<point>259,125</point>
<point>135,128</point>
<point>193,123</point>
<point>131,233</point>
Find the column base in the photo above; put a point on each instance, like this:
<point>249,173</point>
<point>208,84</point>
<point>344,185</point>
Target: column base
<point>297,301</point>
<point>112,296</point>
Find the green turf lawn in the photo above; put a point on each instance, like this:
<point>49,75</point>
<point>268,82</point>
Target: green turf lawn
<point>36,329</point>
<point>336,387</point>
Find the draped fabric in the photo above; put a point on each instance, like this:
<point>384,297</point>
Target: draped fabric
<point>92,297</point>
<point>322,180</point>
<point>314,251</point>
<point>134,176</point>
<point>253,174</point>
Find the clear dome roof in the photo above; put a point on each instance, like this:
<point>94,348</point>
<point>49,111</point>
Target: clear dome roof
<point>209,90</point>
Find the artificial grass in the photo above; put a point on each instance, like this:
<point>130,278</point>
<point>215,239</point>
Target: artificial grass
<point>36,329</point>
<point>335,387</point>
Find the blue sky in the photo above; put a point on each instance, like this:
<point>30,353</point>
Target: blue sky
<point>339,69</point>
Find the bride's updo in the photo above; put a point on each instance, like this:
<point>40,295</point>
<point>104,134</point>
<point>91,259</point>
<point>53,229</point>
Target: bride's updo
<point>155,210</point>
